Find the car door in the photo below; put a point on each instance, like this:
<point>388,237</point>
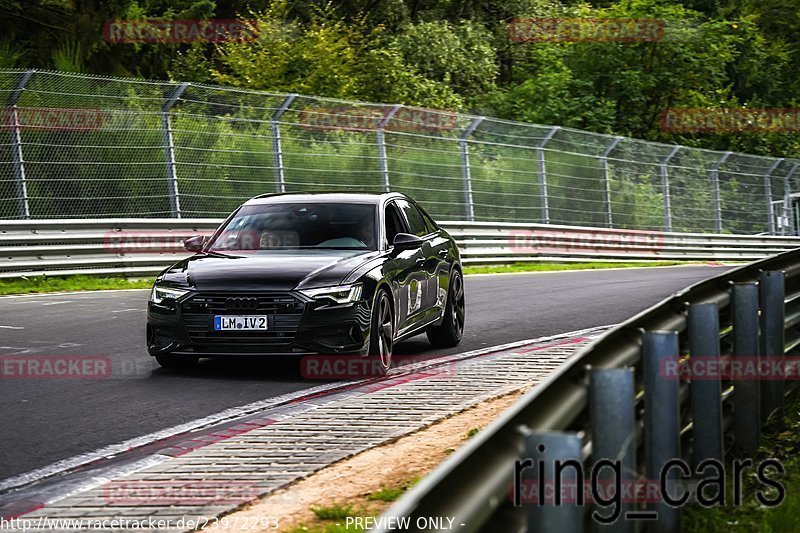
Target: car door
<point>405,268</point>
<point>431,265</point>
<point>440,281</point>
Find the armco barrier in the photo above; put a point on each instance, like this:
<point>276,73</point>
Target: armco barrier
<point>145,246</point>
<point>626,398</point>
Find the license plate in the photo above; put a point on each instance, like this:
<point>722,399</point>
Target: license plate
<point>240,322</point>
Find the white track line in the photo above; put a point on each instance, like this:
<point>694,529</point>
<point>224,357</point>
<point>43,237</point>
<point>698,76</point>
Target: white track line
<point>45,294</point>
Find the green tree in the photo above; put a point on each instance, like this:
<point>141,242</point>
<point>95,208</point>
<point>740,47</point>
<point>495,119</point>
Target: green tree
<point>460,56</point>
<point>326,57</point>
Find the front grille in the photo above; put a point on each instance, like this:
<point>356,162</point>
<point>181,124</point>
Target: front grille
<point>284,312</point>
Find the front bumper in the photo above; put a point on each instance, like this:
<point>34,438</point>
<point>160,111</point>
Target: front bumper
<point>297,325</point>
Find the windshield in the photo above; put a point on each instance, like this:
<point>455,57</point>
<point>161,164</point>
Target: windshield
<point>283,226</point>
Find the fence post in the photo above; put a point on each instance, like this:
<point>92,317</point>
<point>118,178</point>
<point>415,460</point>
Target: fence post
<point>661,420</point>
<point>546,449</point>
<point>772,290</point>
<point>382,146</point>
<point>665,188</point>
<point>543,174</point>
<point>706,392</point>
<point>277,148</point>
<point>715,191</point>
<point>466,171</point>
<point>611,414</point>
<point>746,401</point>
<point>169,148</point>
<point>16,148</point>
<point>768,193</point>
<point>787,201</point>
<point>607,180</point>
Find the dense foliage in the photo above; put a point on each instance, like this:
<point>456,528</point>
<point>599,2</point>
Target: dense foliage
<point>455,55</point>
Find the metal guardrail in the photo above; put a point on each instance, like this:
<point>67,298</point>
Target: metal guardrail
<point>145,246</point>
<point>614,400</point>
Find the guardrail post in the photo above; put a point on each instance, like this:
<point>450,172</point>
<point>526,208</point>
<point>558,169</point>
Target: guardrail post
<point>382,146</point>
<point>16,145</point>
<point>787,201</point>
<point>768,193</point>
<point>661,420</point>
<point>547,450</point>
<point>715,191</point>
<point>665,188</point>
<point>466,171</point>
<point>746,401</point>
<point>169,148</point>
<point>772,291</point>
<point>607,180</point>
<point>706,391</point>
<point>277,146</point>
<point>611,414</point>
<point>545,216</point>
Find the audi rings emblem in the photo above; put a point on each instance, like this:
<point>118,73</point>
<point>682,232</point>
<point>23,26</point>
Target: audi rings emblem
<point>241,304</point>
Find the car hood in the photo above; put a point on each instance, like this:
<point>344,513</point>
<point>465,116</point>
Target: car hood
<point>276,270</point>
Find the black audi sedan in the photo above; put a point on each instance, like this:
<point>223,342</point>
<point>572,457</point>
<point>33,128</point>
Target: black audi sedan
<point>299,274</point>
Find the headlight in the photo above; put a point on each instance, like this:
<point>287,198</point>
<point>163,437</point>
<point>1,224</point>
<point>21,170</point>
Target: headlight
<point>159,294</point>
<point>341,294</point>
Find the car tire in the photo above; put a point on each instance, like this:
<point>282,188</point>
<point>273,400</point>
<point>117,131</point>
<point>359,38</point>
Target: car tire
<point>176,362</point>
<point>381,338</point>
<point>451,330</point>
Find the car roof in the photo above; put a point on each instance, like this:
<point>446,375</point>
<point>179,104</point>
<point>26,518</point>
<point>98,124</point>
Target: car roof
<point>324,197</point>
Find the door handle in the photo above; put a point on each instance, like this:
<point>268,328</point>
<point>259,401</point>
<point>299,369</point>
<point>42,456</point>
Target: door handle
<point>443,252</point>
<point>419,260</point>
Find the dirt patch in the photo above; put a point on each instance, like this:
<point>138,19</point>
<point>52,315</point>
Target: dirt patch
<point>349,482</point>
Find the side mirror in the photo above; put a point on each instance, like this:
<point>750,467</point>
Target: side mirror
<point>195,244</point>
<point>406,241</point>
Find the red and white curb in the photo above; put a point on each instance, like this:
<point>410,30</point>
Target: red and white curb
<point>242,453</point>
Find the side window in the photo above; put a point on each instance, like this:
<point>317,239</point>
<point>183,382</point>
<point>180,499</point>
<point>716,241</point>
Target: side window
<point>394,223</point>
<point>432,227</point>
<point>416,223</point>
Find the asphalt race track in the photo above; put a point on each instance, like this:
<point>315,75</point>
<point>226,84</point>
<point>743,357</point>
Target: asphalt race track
<point>47,420</point>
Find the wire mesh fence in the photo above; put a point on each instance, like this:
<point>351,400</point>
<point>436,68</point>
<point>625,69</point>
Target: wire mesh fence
<point>81,146</point>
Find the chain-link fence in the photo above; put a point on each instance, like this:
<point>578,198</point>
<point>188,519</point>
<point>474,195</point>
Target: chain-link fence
<point>76,146</point>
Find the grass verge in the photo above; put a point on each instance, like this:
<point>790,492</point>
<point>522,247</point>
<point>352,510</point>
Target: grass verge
<point>550,267</point>
<point>333,518</point>
<point>778,442</point>
<point>42,284</point>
